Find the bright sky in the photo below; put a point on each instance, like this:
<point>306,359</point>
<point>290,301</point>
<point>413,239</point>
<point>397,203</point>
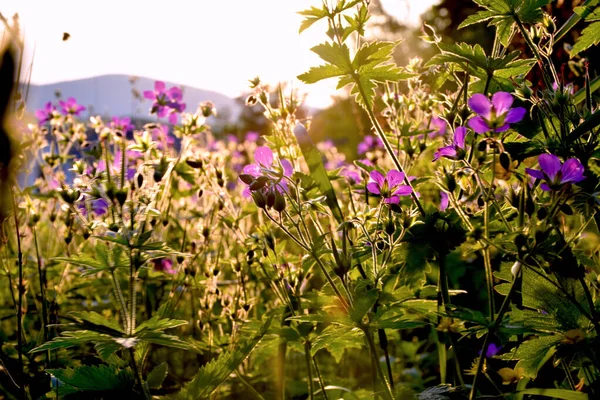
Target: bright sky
<point>209,44</point>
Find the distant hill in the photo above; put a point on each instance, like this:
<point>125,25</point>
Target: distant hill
<point>113,95</point>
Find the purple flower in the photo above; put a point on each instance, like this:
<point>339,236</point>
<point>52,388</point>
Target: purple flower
<point>456,150</point>
<point>495,115</point>
<point>444,200</point>
<point>164,265</point>
<point>130,161</point>
<point>166,102</point>
<point>122,124</point>
<point>492,350</point>
<point>98,206</point>
<point>439,127</point>
<point>265,166</point>
<point>352,174</point>
<point>369,143</point>
<point>252,137</point>
<point>556,174</point>
<point>45,114</point>
<point>70,107</point>
<point>390,187</point>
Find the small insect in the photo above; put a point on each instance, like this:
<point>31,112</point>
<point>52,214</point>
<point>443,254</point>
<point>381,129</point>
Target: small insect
<point>66,36</point>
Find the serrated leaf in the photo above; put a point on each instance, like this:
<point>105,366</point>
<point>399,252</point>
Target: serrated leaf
<point>211,375</point>
<point>363,302</point>
<point>98,320</point>
<point>71,339</point>
<point>531,353</point>
<point>316,74</point>
<point>335,54</point>
<point>157,323</point>
<point>336,339</point>
<point>156,377</point>
<point>94,378</point>
<point>590,36</point>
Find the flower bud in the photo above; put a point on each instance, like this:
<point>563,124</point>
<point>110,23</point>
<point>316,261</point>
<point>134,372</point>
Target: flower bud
<point>259,199</point>
<point>279,205</point>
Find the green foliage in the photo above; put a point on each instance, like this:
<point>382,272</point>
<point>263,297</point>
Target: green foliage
<point>336,340</point>
<point>94,378</point>
<point>211,375</point>
<point>533,353</point>
<point>590,36</point>
<point>503,13</point>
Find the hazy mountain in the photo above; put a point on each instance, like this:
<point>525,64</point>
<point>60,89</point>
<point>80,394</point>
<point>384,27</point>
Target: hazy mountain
<point>114,95</point>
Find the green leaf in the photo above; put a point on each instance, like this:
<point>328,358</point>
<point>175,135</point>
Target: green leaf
<point>95,318</point>
<point>156,377</point>
<point>532,353</point>
<point>316,74</point>
<point>157,323</point>
<point>163,339</point>
<point>317,170</point>
<point>71,339</point>
<point>480,16</point>
<point>335,54</point>
<point>363,302</point>
<point>556,393</point>
<point>590,36</point>
<point>336,339</point>
<point>211,375</point>
<point>94,378</point>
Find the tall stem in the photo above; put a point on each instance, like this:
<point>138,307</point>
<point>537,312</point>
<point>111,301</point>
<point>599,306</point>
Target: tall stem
<point>42,280</point>
<point>20,296</point>
<point>309,370</point>
<point>121,300</point>
<point>388,394</point>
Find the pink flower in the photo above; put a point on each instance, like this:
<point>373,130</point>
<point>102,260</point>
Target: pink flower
<point>496,115</point>
<point>389,187</point>
<point>70,107</point>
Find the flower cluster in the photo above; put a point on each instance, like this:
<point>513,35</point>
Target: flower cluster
<point>165,102</point>
<point>266,179</point>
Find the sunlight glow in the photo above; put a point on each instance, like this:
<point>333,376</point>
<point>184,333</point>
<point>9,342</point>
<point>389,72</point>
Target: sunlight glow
<point>213,45</point>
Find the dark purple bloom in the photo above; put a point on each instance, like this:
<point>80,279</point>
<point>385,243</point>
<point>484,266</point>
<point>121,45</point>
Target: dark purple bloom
<point>369,143</point>
<point>265,166</point>
<point>496,115</point>
<point>98,206</point>
<point>70,107</point>
<point>122,124</point>
<point>130,157</point>
<point>556,174</point>
<point>45,114</point>
<point>456,150</point>
<point>492,350</point>
<point>389,187</point>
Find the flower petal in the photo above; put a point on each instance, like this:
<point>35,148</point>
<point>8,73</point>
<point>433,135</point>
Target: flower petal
<point>535,173</point>
<point>480,104</point>
<point>403,190</point>
<point>448,152</point>
<point>159,86</point>
<point>550,165</point>
<point>444,200</point>
<point>392,200</point>
<point>377,177</point>
<point>252,170</point>
<point>394,178</point>
<point>459,136</point>
<point>263,155</point>
<point>373,187</point>
<point>149,94</point>
<point>544,186</point>
<point>515,115</point>
<point>572,171</point>
<point>288,168</point>
<point>502,102</point>
<point>478,125</point>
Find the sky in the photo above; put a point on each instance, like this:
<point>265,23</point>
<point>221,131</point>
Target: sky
<point>214,45</point>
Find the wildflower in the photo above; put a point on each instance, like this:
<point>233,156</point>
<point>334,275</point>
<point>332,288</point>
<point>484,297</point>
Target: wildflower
<point>495,115</point>
<point>444,200</point>
<point>456,150</point>
<point>252,137</point>
<point>70,107</point>
<point>46,114</point>
<point>97,206</point>
<point>390,187</point>
<point>439,127</point>
<point>166,102</point>
<point>351,173</point>
<point>369,143</point>
<point>264,171</point>
<point>556,174</point>
<point>121,124</point>
<point>164,265</point>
